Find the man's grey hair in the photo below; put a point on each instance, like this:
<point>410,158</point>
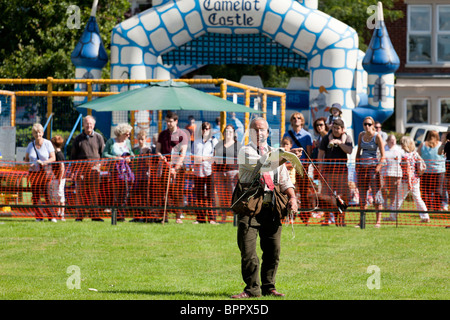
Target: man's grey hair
<point>252,124</point>
<point>89,117</point>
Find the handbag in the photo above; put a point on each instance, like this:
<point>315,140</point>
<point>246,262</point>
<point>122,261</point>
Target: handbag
<point>247,198</point>
<point>421,166</point>
<point>47,169</point>
<point>280,202</point>
<point>37,155</point>
<point>124,171</point>
<point>279,199</point>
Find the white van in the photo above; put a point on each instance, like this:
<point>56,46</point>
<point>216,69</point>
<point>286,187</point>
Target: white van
<point>418,132</point>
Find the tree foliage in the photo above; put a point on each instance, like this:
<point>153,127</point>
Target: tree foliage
<point>36,42</point>
<point>356,13</point>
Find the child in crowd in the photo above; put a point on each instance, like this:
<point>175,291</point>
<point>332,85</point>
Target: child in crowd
<point>354,193</point>
<point>142,167</point>
<point>58,182</point>
<point>336,113</point>
<point>141,148</point>
<point>287,143</point>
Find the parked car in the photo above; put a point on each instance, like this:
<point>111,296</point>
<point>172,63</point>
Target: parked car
<point>419,132</point>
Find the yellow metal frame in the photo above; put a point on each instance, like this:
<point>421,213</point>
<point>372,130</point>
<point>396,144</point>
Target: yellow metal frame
<point>12,95</point>
<point>224,84</point>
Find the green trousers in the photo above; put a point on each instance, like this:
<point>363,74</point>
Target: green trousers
<point>268,226</point>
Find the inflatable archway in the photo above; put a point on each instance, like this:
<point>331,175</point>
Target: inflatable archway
<point>176,37</point>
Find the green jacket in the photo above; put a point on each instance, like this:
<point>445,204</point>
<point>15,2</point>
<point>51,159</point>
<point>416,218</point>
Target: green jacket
<point>108,150</point>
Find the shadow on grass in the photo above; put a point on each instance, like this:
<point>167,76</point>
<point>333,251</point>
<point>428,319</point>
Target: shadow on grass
<point>8,219</point>
<point>169,293</point>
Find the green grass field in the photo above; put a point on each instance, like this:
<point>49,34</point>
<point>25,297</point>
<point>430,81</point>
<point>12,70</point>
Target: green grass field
<point>132,261</point>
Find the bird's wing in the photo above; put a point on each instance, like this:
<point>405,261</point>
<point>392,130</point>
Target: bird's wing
<point>294,160</point>
<point>277,154</point>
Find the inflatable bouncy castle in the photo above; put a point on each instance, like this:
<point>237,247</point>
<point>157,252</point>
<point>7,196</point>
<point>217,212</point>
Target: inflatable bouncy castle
<point>174,38</point>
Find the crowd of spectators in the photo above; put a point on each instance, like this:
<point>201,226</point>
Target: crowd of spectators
<point>155,173</point>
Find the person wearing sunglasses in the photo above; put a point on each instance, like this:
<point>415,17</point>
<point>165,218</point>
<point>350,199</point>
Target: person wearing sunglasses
<point>378,126</point>
<point>119,148</point>
<point>320,131</point>
<point>368,166</point>
<point>302,139</point>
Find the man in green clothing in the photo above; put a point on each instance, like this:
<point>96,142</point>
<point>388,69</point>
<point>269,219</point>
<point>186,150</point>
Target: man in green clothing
<point>266,223</point>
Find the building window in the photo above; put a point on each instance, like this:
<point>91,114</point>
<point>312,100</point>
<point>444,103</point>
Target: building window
<point>419,34</point>
<point>443,33</point>
<point>417,110</point>
<point>445,110</point>
<point>428,34</point>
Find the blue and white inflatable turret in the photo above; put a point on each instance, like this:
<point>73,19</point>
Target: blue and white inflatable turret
<point>89,55</point>
<point>380,62</point>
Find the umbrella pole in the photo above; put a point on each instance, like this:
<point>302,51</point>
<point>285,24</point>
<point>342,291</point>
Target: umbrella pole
<point>167,194</point>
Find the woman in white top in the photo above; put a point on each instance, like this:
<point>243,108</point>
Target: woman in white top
<point>203,151</point>
<point>391,173</point>
<point>40,153</point>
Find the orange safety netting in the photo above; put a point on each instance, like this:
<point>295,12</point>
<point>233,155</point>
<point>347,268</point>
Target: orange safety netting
<point>144,189</point>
